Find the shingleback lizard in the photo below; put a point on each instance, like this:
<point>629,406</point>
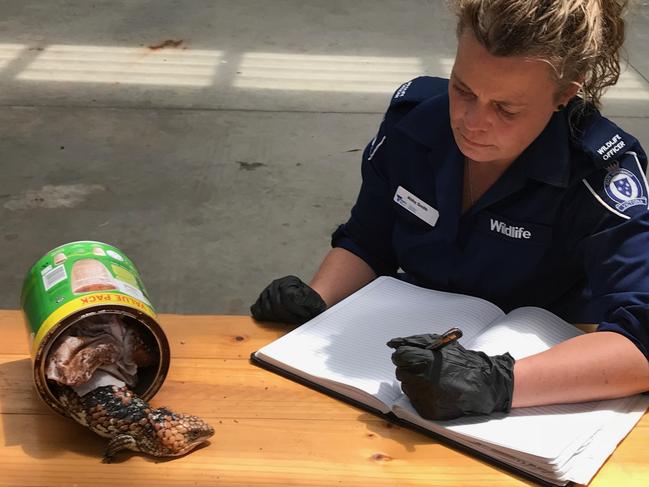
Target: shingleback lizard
<point>130,423</point>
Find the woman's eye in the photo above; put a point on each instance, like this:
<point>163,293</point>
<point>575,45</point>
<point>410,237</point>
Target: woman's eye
<point>506,112</point>
<point>463,93</point>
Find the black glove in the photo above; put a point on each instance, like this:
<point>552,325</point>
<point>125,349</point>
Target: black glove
<point>450,381</point>
<point>287,300</point>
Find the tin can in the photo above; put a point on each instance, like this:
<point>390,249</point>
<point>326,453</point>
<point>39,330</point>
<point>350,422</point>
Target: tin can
<point>83,279</point>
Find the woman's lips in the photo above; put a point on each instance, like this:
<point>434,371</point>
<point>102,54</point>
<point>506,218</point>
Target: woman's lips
<point>472,143</point>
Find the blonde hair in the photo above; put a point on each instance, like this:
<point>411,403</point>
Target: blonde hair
<point>580,39</point>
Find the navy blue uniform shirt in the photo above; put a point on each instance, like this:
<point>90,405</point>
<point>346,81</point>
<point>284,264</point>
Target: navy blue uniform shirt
<point>564,228</point>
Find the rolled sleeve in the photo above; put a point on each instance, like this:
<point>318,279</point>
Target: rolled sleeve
<point>617,260</point>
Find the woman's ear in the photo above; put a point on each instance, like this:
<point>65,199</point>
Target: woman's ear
<point>566,95</point>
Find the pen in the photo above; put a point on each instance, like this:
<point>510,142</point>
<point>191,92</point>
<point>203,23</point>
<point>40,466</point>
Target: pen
<point>450,336</point>
<point>424,341</point>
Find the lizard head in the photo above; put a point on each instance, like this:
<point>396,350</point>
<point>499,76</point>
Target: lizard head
<point>178,434</point>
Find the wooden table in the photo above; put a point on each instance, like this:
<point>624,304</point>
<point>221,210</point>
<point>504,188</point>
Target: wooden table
<point>269,430</point>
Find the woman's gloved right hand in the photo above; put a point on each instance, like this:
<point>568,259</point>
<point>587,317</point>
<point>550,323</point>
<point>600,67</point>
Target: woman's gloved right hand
<point>287,300</point>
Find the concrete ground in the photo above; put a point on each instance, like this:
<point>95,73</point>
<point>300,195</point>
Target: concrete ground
<point>217,143</point>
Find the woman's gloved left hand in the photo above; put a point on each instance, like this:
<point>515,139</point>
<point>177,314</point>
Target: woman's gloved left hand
<point>288,300</point>
<point>450,381</point>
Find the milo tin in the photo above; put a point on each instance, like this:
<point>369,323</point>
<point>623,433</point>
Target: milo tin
<point>80,280</point>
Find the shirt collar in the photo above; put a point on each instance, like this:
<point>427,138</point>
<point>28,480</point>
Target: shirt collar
<point>546,159</point>
<point>428,123</point>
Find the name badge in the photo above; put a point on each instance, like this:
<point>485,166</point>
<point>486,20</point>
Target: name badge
<point>416,206</point>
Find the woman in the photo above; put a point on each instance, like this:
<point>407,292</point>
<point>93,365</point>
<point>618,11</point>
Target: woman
<point>505,183</point>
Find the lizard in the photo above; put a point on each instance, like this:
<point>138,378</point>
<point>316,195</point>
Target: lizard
<point>130,423</point>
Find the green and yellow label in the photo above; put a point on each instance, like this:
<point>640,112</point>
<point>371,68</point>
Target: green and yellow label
<point>78,276</point>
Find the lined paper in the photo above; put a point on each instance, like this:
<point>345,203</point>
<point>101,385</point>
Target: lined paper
<point>347,343</point>
<point>523,332</point>
<point>344,349</point>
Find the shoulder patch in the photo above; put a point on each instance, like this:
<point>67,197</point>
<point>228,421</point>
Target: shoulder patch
<point>418,90</point>
<point>604,141</point>
<point>622,187</point>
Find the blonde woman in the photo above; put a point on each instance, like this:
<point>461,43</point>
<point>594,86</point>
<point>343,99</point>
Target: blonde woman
<point>505,182</point>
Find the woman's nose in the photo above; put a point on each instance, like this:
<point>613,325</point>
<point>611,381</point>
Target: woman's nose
<point>476,117</point>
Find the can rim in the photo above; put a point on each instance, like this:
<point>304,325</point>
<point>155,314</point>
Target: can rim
<point>164,354</point>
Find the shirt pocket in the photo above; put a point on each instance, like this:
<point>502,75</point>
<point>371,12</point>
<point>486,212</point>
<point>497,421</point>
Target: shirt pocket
<point>516,232</point>
<point>505,259</point>
<point>408,223</point>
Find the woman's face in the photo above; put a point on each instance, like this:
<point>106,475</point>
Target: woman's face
<point>498,105</point>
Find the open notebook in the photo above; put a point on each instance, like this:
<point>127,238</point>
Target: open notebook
<point>343,352</point>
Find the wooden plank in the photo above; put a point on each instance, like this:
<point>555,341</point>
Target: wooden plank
<point>17,390</point>
<point>206,387</point>
<point>244,452</point>
<point>269,430</point>
<point>360,451</point>
<point>218,336</point>
<point>190,336</point>
<point>38,451</point>
<point>628,465</point>
<point>13,332</point>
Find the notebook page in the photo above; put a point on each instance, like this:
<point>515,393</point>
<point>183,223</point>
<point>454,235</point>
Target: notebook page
<point>553,436</point>
<point>346,345</point>
<point>581,460</point>
<point>542,431</point>
<point>523,332</point>
<point>582,467</point>
<point>539,467</point>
